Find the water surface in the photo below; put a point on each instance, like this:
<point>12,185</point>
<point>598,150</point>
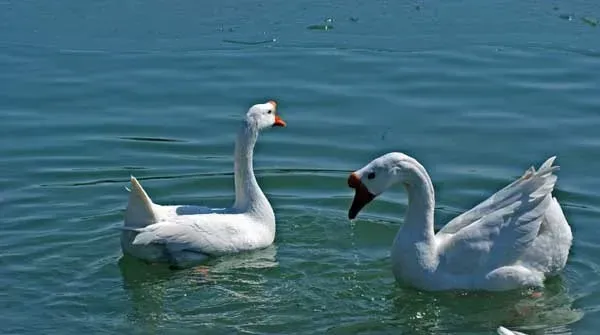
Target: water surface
<point>91,92</point>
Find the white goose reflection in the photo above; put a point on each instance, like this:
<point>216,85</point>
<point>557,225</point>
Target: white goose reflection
<point>236,279</point>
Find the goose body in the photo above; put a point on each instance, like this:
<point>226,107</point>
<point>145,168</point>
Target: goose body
<point>181,234</point>
<point>515,238</point>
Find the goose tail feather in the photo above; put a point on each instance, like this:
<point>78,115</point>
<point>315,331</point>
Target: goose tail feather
<point>140,212</point>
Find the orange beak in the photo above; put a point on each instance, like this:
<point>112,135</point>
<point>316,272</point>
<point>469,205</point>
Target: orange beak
<point>362,196</point>
<point>278,122</point>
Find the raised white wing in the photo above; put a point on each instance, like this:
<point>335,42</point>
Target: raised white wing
<point>501,230</point>
<point>509,194</point>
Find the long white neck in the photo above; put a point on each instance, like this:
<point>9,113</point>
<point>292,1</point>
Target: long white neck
<point>414,255</point>
<point>248,195</point>
<point>418,221</point>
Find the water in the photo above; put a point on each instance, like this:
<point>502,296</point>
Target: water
<point>91,92</point>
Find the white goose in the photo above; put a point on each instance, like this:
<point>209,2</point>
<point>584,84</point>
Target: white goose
<point>182,234</point>
<point>514,239</point>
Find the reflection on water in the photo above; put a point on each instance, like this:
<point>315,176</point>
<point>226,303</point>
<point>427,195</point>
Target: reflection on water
<point>427,313</point>
<point>146,285</point>
<point>235,279</point>
<point>259,259</point>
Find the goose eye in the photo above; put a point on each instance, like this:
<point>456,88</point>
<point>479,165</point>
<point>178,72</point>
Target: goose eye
<point>371,175</point>
<point>270,111</point>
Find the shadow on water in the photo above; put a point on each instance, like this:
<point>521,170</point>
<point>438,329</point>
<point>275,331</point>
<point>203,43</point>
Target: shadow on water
<point>259,172</point>
<point>449,312</point>
<point>149,139</point>
<point>154,289</point>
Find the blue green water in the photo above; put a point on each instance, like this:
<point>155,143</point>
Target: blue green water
<point>91,92</point>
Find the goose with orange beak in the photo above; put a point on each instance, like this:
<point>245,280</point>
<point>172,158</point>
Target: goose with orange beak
<point>184,235</point>
<point>516,238</point>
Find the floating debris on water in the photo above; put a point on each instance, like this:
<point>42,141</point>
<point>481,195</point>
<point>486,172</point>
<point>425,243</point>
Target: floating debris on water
<point>230,29</point>
<point>251,42</point>
<point>353,19</point>
<point>319,27</point>
<point>590,20</point>
<point>326,26</point>
<point>567,17</point>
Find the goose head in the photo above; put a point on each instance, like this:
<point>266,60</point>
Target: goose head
<point>376,177</point>
<point>262,116</point>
